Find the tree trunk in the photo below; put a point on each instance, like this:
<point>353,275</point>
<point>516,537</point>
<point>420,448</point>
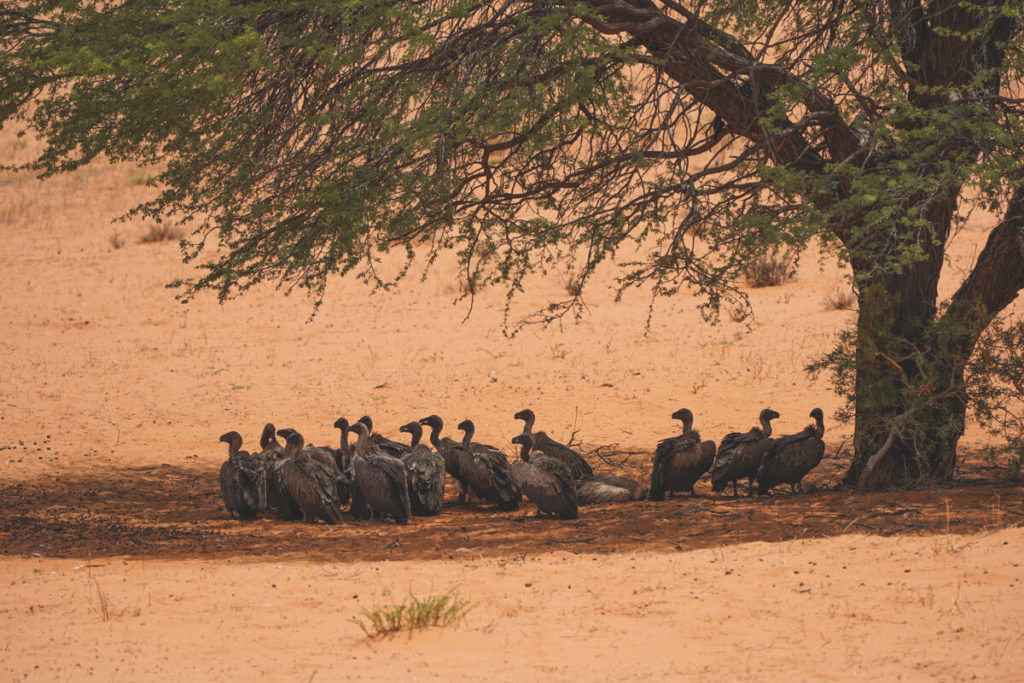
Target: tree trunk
<point>897,448</point>
<point>910,397</point>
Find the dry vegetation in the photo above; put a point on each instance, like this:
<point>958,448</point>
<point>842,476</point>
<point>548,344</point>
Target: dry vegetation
<point>773,268</point>
<point>840,299</point>
<point>161,232</point>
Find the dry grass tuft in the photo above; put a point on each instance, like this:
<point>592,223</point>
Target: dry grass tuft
<point>115,240</point>
<point>104,607</point>
<point>412,614</point>
<point>772,269</point>
<point>840,299</point>
<point>161,232</point>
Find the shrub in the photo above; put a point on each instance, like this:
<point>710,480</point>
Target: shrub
<point>161,232</point>
<point>772,268</point>
<point>840,299</point>
<point>412,613</point>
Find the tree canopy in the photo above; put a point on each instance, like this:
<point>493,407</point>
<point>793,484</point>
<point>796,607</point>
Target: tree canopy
<point>308,137</point>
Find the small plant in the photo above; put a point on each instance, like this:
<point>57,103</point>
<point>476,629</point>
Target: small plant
<point>772,269</point>
<point>161,232</point>
<point>839,299</point>
<point>116,241</point>
<point>411,614</point>
<point>140,177</point>
<point>104,607</point>
<point>558,351</point>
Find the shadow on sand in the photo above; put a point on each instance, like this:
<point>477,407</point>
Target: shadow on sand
<point>171,512</point>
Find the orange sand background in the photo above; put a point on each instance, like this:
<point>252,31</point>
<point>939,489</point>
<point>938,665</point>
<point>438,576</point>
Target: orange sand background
<point>113,394</point>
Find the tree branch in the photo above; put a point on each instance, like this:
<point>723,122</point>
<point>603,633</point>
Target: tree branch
<point>694,54</point>
<point>998,276</point>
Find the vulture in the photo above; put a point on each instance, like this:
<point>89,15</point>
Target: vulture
<point>380,479</point>
<point>270,455</point>
<point>449,449</point>
<point>278,498</point>
<point>325,456</point>
<point>679,461</point>
<point>547,482</point>
<point>382,443</point>
<point>791,457</point>
<point>543,443</point>
<point>424,471</point>
<point>344,450</point>
<point>599,489</point>
<point>311,485</point>
<point>273,455</point>
<point>740,455</point>
<point>486,472</point>
<point>243,481</point>
<point>328,457</point>
<point>268,440</point>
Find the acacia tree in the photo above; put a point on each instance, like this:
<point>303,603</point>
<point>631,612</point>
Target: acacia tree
<point>307,138</point>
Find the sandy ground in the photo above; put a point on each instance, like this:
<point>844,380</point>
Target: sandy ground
<point>122,564</point>
<point>943,607</point>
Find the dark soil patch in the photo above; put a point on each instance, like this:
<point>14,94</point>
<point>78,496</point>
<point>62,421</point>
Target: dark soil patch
<point>173,512</point>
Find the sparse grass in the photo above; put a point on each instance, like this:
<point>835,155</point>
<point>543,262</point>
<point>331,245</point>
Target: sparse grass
<point>839,299</point>
<point>18,207</point>
<point>161,232</point>
<point>140,177</point>
<point>412,614</point>
<point>558,351</point>
<point>104,607</point>
<point>772,269</point>
<point>116,241</point>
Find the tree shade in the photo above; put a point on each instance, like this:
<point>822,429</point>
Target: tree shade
<point>309,137</point>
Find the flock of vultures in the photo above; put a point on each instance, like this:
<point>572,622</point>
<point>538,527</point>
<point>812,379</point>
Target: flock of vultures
<point>378,477</point>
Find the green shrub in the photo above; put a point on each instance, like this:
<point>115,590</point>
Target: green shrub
<point>411,614</point>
